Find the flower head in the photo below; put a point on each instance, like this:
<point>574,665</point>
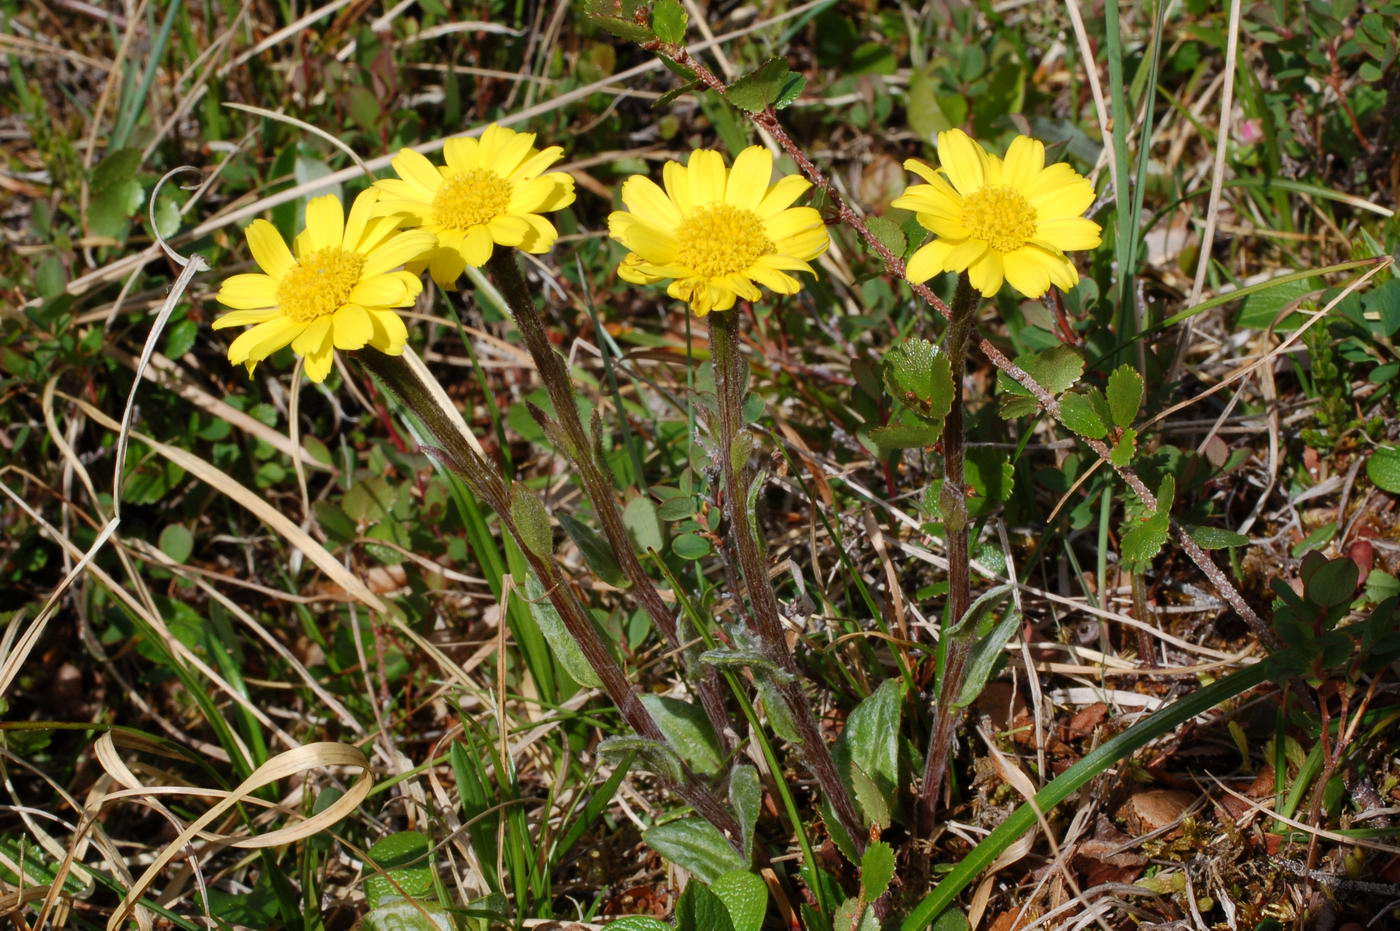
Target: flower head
<point>335,293</point>
<point>491,192</point>
<point>1010,220</point>
<point>717,232</point>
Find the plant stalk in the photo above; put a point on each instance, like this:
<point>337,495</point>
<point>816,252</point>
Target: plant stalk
<point>505,269</point>
<point>955,648</point>
<point>766,617</point>
<point>458,455</point>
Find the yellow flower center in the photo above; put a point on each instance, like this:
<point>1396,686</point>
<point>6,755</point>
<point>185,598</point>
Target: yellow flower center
<point>1000,217</point>
<point>720,240</point>
<point>319,284</point>
<point>471,198</point>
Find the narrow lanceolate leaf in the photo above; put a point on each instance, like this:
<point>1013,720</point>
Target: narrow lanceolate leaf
<point>561,643</point>
<point>746,798</point>
<point>985,654</point>
<point>876,870</point>
<point>688,731</point>
<point>596,551</point>
<point>532,520</point>
<point>695,845</point>
<point>1217,538</point>
<point>870,741</point>
<point>1125,390</point>
<point>701,910</point>
<point>655,755</point>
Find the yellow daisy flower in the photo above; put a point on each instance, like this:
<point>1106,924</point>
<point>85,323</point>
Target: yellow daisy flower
<point>491,192</point>
<point>717,232</point>
<point>1010,220</point>
<point>336,293</point>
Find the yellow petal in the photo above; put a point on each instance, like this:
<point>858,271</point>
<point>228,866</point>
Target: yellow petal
<point>397,250</point>
<point>245,317</point>
<point>1060,191</point>
<point>1061,270</point>
<point>393,191</point>
<point>318,364</point>
<point>781,195</point>
<point>535,164</point>
<point>377,231</point>
<point>707,177</point>
<point>269,248</point>
<point>741,285</point>
<point>962,160</point>
<point>1069,233</point>
<point>791,222</point>
<point>513,152</point>
<point>361,213</point>
<point>247,292</point>
<point>806,245</point>
<point>928,261</point>
<point>462,153</point>
<point>774,280</point>
<point>494,139</point>
<point>653,244</point>
<point>263,340</point>
<point>390,335</point>
<point>446,266</point>
<point>1024,161</point>
<point>476,246</point>
<point>541,236</point>
<point>1025,274</point>
<point>963,254</point>
<point>509,230</point>
<point>677,181</point>
<point>310,340</point>
<point>748,179</point>
<point>942,225</point>
<point>415,168</point>
<point>325,223</point>
<point>351,328</point>
<point>379,291</point>
<point>922,169</point>
<point>649,203</point>
<point>638,270</point>
<point>553,191</point>
<point>986,273</point>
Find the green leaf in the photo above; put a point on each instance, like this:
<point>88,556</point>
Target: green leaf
<point>767,84</point>
<point>640,517</point>
<point>871,801</point>
<point>1333,584</point>
<point>745,897</point>
<point>1079,413</point>
<point>746,798</point>
<point>985,653</point>
<point>898,435</point>
<point>404,856</point>
<point>177,542</point>
<point>1216,538</point>
<point>561,643</point>
<point>110,209</point>
<point>920,377</point>
<point>691,546</point>
<point>638,923</point>
<point>688,731</point>
<point>51,277</point>
<point>1143,538</point>
<point>701,910</point>
<point>116,168</point>
<point>871,738</point>
<point>776,710</point>
<point>532,520</point>
<point>1054,369</point>
<point>742,657</point>
<point>889,233</point>
<point>852,915</point>
<point>595,549</point>
<point>655,755</point>
<point>791,89</point>
<point>1123,450</point>
<point>400,914</point>
<point>695,845</point>
<point>1125,392</point>
<point>876,870</point>
<point>668,21</point>
<point>1383,469</point>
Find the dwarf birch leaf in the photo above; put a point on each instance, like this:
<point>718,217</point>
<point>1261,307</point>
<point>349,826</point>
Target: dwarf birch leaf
<point>1078,413</point>
<point>695,845</point>
<point>869,797</point>
<point>1122,452</point>
<point>688,731</point>
<point>1216,538</point>
<point>889,234</point>
<point>668,21</point>
<point>745,897</point>
<point>1125,389</point>
<point>1054,369</point>
<point>1143,538</point>
<point>760,87</point>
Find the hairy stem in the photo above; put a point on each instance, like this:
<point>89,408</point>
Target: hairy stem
<point>955,648</point>
<point>580,450</point>
<point>459,456</point>
<point>766,617</point>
